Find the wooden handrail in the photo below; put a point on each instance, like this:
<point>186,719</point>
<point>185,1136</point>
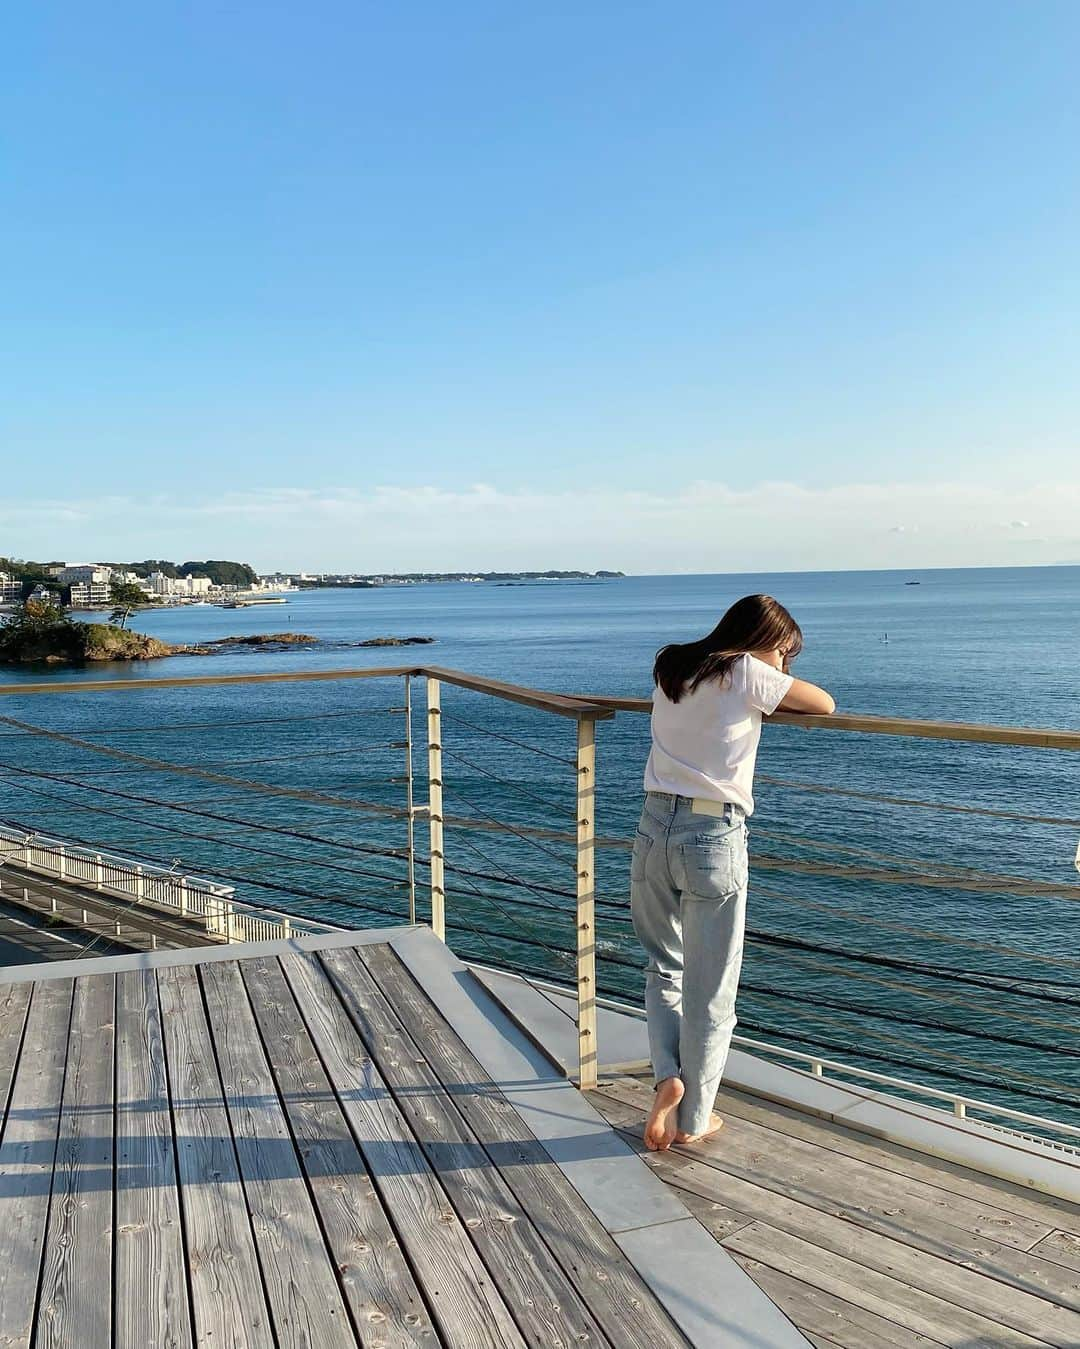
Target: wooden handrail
<point>200,681</point>
<point>1037,737</point>
<point>586,706</point>
<point>561,704</point>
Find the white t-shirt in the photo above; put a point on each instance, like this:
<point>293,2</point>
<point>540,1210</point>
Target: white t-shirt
<point>706,743</point>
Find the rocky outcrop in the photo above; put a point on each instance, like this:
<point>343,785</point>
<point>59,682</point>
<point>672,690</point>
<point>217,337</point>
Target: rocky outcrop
<point>76,643</point>
<point>268,639</point>
<point>396,641</point>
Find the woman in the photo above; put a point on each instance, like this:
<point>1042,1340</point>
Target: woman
<point>688,875</point>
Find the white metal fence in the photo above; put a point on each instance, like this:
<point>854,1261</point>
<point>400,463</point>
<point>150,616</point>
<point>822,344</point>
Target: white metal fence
<point>206,904</point>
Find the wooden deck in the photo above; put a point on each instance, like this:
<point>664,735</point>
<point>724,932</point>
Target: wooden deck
<point>870,1245</point>
<point>336,1141</point>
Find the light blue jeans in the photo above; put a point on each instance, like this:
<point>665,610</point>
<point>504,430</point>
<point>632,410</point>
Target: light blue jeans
<point>688,880</point>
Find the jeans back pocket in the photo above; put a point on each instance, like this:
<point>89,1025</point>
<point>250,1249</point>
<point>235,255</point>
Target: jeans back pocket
<point>715,867</point>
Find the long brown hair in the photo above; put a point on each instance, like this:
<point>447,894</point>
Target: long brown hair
<point>754,623</point>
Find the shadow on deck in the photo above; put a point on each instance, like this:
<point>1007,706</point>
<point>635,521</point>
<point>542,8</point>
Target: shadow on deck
<point>334,1141</point>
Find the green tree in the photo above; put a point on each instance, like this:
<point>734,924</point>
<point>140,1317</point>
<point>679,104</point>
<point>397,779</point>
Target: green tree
<point>40,627</point>
<point>221,573</point>
<point>126,598</point>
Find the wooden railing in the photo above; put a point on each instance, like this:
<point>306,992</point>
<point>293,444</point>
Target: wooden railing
<point>584,711</point>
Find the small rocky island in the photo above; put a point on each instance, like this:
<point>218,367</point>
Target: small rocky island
<point>37,637</point>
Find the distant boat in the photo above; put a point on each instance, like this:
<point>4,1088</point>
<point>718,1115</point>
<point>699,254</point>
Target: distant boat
<point>913,583</point>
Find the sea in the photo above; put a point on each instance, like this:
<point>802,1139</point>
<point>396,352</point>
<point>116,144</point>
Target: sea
<point>914,904</point>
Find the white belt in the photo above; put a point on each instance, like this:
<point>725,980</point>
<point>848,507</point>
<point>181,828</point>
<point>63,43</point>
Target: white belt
<point>701,805</point>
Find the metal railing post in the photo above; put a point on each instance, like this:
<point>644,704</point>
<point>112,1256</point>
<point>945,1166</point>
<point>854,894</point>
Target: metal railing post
<point>435,808</point>
<point>410,823</point>
<point>586,903</point>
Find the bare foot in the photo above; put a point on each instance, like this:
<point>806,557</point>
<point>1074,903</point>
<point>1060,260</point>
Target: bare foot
<point>660,1127</point>
<point>715,1125</point>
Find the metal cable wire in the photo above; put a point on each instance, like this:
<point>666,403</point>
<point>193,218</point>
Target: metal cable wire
<point>966,942</point>
<point>187,809</point>
<point>264,788</point>
<point>1061,1093</point>
<point>203,838</point>
<point>903,1018</point>
<point>510,786</point>
<point>949,1076</point>
<point>554,950</point>
<point>543,903</point>
<point>988,979</point>
<point>364,748</point>
<point>534,843</point>
<point>211,725</point>
<point>914,801</point>
<point>933,995</point>
<point>509,739</point>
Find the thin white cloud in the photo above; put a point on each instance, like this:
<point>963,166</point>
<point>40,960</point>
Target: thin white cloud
<point>702,526</point>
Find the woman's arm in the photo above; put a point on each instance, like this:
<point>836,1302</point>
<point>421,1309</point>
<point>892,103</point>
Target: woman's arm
<point>804,697</point>
<point>801,697</point>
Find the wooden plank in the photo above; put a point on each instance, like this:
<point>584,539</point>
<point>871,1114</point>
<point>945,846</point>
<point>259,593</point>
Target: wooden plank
<point>305,1301</point>
<point>1064,1247</point>
<point>14,1004</point>
<point>75,1301</point>
<point>466,1304</point>
<point>888,1156</point>
<point>835,1321</point>
<point>847,1182</point>
<point>152,1304</point>
<point>889,1297</point>
<point>1017,1288</point>
<point>379,1286</point>
<point>228,1304</point>
<point>608,1283</point>
<point>892,1159</point>
<point>541,1297</point>
<point>27,1154</point>
<point>963,1282</point>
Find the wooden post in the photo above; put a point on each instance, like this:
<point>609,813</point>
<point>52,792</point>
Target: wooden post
<point>435,808</point>
<point>410,825</point>
<point>586,903</point>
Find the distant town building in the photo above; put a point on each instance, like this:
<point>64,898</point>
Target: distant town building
<point>89,582</point>
<point>185,587</point>
<point>10,588</point>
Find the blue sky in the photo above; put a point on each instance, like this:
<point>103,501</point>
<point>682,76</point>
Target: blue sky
<point>679,287</point>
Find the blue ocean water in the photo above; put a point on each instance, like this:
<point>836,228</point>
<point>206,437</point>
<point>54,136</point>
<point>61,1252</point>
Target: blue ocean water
<point>987,900</point>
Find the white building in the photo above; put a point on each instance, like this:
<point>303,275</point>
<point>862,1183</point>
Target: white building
<point>86,594</point>
<point>180,587</point>
<point>88,573</point>
<point>10,588</point>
